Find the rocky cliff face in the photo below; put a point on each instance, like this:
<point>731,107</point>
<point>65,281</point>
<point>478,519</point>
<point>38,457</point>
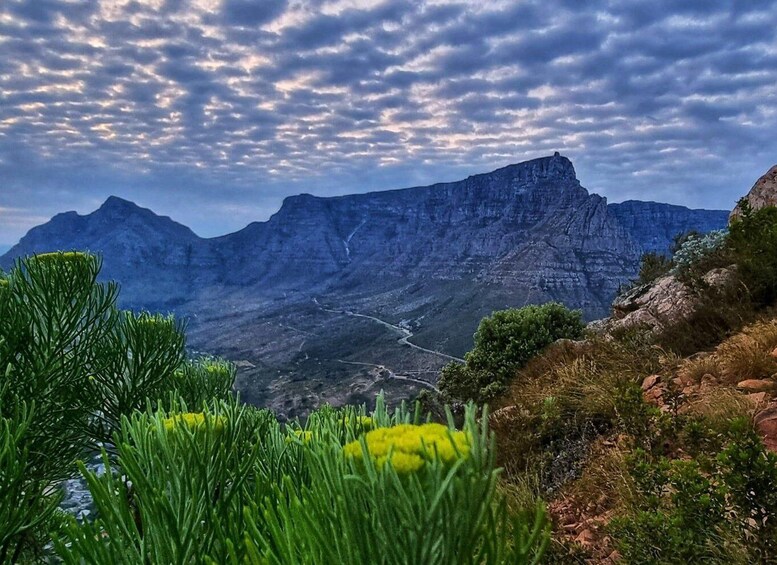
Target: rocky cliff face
<point>763,193</point>
<point>654,225</point>
<point>528,232</point>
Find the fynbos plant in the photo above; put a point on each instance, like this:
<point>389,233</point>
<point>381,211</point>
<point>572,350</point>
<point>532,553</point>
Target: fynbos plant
<point>71,366</point>
<point>239,488</point>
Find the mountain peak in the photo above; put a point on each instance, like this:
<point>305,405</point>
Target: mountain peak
<point>117,203</point>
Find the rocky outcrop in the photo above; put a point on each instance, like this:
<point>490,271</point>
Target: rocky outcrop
<point>659,304</point>
<point>763,193</point>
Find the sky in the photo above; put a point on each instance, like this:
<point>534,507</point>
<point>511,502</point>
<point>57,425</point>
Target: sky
<point>212,111</point>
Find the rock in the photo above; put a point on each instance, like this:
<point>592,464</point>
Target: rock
<point>756,385</point>
<point>720,278</point>
<point>758,399</point>
<point>503,416</point>
<point>763,193</point>
<point>652,306</point>
<point>766,425</point>
<point>650,382</point>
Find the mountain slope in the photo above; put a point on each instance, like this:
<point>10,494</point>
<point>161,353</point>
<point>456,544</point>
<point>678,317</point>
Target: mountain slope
<point>318,300</point>
<point>156,260</point>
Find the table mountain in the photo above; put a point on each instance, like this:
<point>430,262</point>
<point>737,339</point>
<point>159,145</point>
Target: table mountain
<point>429,260</point>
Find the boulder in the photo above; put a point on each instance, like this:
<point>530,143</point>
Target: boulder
<point>756,385</point>
<point>763,193</point>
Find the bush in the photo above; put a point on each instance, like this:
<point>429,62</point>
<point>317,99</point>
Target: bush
<point>73,366</point>
<point>753,240</point>
<point>697,254</point>
<point>228,487</point>
<point>652,266</point>
<point>24,504</point>
<point>505,342</point>
<point>712,510</point>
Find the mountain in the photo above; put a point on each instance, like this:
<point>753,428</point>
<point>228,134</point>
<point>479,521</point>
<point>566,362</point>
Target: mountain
<point>156,260</point>
<point>328,282</point>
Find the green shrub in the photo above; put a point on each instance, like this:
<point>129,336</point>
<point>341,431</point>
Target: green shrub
<point>505,342</point>
<point>201,381</point>
<point>697,254</point>
<point>74,365</point>
<point>53,316</point>
<point>217,487</point>
<point>753,240</point>
<point>712,510</point>
<point>179,488</point>
<point>25,504</point>
<point>652,266</point>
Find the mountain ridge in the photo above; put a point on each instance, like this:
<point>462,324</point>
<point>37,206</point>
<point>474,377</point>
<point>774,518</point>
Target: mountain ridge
<point>312,300</point>
<point>483,228</point>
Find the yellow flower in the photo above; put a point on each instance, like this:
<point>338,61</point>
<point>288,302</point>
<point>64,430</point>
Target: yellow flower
<point>409,447</point>
<point>3,283</point>
<point>362,422</point>
<point>194,421</point>
<point>302,435</point>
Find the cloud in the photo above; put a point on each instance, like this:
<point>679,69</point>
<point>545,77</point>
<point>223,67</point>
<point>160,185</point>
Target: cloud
<point>233,104</point>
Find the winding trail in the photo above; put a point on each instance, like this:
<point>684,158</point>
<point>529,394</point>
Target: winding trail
<point>405,333</point>
<point>392,374</point>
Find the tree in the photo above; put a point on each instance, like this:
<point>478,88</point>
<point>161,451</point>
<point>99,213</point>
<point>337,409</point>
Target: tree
<point>504,343</point>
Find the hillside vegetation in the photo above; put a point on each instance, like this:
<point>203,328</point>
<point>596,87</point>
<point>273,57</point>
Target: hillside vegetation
<point>192,475</point>
<point>651,441</point>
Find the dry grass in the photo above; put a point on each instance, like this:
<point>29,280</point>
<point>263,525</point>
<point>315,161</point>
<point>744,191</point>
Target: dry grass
<point>747,355</point>
<point>606,481</point>
<point>719,406</point>
<point>692,370</point>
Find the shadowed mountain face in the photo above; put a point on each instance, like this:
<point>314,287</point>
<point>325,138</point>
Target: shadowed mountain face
<point>433,259</point>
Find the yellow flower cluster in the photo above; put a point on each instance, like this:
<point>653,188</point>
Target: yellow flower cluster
<point>193,421</point>
<point>409,447</point>
<point>302,435</point>
<point>216,369</point>
<point>364,422</point>
<point>3,282</point>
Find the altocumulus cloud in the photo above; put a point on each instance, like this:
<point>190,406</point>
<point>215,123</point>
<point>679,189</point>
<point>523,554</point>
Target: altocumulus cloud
<point>235,104</point>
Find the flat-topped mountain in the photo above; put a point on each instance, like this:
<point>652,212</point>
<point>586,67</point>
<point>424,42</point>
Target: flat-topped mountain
<point>530,228</point>
<point>434,259</point>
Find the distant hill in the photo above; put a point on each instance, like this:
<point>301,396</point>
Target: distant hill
<point>434,259</point>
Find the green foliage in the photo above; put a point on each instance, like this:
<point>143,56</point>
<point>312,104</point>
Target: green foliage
<point>712,510</point>
<point>53,315</point>
<point>23,505</point>
<point>652,266</point>
<point>72,366</point>
<point>505,342</point>
<point>753,240</point>
<point>188,488</point>
<point>698,254</point>
<point>234,486</point>
<point>204,380</point>
<point>137,360</point>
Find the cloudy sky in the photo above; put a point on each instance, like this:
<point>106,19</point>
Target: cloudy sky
<point>211,111</point>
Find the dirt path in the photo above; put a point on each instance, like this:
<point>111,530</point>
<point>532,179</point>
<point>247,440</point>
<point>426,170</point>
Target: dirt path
<point>392,374</point>
<point>404,332</point>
